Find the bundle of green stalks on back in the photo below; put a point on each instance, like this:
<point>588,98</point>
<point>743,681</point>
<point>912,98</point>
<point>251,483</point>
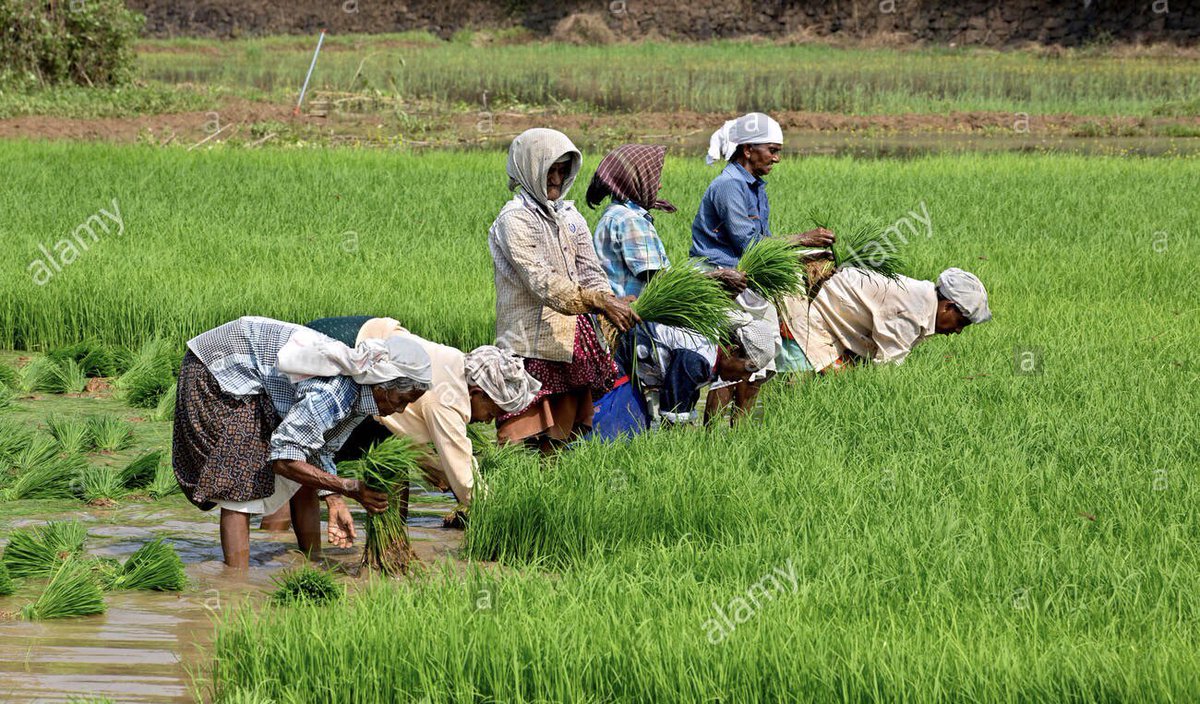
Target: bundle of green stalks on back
<point>155,567</point>
<point>73,434</point>
<point>110,433</point>
<point>683,297</point>
<point>307,585</point>
<point>72,591</point>
<point>864,247</point>
<point>38,551</point>
<point>386,467</point>
<point>773,268</point>
<point>151,373</point>
<point>140,473</point>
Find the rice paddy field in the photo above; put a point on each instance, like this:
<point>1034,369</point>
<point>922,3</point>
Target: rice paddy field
<point>1009,516</point>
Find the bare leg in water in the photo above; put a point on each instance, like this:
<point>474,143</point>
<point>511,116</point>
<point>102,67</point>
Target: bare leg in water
<point>235,538</point>
<point>279,521</point>
<point>306,521</point>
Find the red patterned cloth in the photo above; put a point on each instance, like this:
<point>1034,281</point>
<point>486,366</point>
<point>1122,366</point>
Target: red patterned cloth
<point>631,172</point>
<point>591,368</point>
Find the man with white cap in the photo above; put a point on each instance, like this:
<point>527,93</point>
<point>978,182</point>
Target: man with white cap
<point>862,315</point>
<point>735,214</point>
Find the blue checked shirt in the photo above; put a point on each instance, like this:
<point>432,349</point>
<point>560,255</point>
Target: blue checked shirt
<point>628,246</point>
<point>318,413</point>
<point>733,215</point>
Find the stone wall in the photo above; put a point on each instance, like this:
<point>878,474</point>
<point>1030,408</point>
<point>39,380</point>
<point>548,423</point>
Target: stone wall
<point>988,22</point>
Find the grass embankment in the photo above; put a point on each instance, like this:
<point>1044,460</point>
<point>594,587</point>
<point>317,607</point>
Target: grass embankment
<point>405,75</point>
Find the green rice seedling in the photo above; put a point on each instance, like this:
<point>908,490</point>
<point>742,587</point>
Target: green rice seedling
<point>95,358</point>
<point>165,410</point>
<point>151,373</point>
<point>8,398</point>
<point>773,268</point>
<point>682,296</point>
<point>387,467</point>
<point>154,567</point>
<point>9,378</point>
<point>164,483</point>
<point>140,473</point>
<point>96,484</point>
<point>32,552</point>
<point>73,434</point>
<point>864,247</point>
<point>6,581</point>
<point>110,433</point>
<point>40,375</point>
<point>105,571</point>
<point>66,377</point>
<point>307,585</point>
<point>72,591</point>
<point>37,471</point>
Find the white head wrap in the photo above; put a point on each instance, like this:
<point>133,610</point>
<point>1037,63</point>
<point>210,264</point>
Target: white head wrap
<point>397,361</point>
<point>502,377</point>
<point>752,128</point>
<point>530,157</point>
<point>967,292</point>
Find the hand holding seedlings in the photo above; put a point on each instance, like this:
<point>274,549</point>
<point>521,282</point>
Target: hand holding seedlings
<point>816,237</point>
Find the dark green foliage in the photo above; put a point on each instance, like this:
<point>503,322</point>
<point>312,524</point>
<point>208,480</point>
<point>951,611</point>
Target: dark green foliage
<point>37,551</point>
<point>151,373</point>
<point>307,586</point>
<point>155,566</point>
<point>72,591</point>
<point>6,582</point>
<point>140,473</point>
<point>89,42</point>
<point>682,296</point>
<point>95,358</point>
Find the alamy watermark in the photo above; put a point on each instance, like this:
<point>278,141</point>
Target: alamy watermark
<point>63,253</point>
<point>742,608</point>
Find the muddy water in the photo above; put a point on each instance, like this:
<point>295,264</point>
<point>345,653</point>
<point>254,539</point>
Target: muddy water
<point>148,647</point>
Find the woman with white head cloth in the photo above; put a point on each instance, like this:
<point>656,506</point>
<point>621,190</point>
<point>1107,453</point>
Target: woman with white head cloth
<point>734,214</point>
<point>475,387</point>
<point>549,286</point>
<point>262,407</point>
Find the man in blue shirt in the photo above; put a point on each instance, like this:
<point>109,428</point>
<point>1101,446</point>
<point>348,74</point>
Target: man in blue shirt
<point>734,214</point>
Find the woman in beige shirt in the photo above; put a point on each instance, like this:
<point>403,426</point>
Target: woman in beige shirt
<point>549,283</point>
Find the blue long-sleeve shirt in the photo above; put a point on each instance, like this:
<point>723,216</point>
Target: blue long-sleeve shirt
<point>733,215</point>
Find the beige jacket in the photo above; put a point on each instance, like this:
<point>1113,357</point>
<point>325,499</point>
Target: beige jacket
<point>863,313</point>
<point>547,273</point>
<point>440,417</point>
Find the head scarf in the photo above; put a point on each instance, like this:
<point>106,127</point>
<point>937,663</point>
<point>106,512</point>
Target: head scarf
<point>502,377</point>
<point>967,292</point>
<point>397,362</point>
<point>631,172</point>
<point>751,128</point>
<point>529,160</point>
<point>756,327</point>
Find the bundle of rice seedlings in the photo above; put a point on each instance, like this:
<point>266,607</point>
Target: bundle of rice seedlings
<point>307,586</point>
<point>39,472</point>
<point>38,551</point>
<point>155,567</point>
<point>386,467</point>
<point>151,373</point>
<point>165,410</point>
<point>140,473</point>
<point>8,399</point>
<point>110,433</point>
<point>64,377</point>
<point>682,296</point>
<point>95,358</point>
<point>72,591</point>
<point>14,437</point>
<point>164,482</point>
<point>38,375</point>
<point>6,583</point>
<point>773,268</point>
<point>864,247</point>
<point>9,378</point>
<point>98,485</point>
<point>73,434</point>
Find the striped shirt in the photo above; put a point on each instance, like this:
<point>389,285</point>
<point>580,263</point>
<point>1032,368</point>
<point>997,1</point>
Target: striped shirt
<point>628,246</point>
<point>318,413</point>
<point>733,215</point>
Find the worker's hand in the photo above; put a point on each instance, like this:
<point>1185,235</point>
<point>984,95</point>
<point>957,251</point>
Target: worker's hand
<point>373,501</point>
<point>820,237</point>
<point>813,255</point>
<point>620,314</point>
<point>733,280</point>
<point>341,523</point>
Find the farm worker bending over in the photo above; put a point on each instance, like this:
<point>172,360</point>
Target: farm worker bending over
<point>862,315</point>
<point>674,363</point>
<point>548,286</point>
<point>734,214</point>
<point>476,387</point>
<point>263,405</point>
